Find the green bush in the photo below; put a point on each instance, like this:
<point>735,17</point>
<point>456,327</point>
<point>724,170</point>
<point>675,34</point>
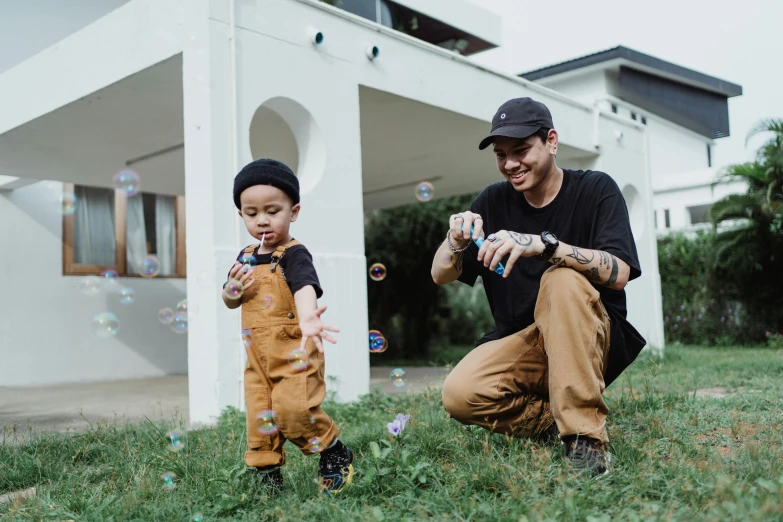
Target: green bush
<point>702,305</point>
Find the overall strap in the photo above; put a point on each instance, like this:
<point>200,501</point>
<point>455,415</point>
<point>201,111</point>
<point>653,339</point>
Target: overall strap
<point>279,252</point>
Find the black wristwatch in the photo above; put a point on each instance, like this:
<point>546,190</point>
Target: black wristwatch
<point>550,245</point>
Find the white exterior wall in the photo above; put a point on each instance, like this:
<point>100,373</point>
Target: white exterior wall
<point>585,87</point>
<point>627,162</point>
<point>678,198</point>
<point>45,320</point>
<point>674,151</point>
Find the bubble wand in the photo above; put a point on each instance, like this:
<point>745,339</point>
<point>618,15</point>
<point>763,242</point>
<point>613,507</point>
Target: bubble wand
<point>499,269</point>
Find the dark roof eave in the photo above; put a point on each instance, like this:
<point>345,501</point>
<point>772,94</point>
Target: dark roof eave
<point>727,89</point>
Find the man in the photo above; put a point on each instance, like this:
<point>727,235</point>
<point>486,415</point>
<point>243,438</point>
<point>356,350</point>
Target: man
<point>561,336</point>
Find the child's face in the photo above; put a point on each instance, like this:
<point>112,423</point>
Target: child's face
<point>267,209</point>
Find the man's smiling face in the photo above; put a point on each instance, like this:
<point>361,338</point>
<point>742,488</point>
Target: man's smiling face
<point>525,162</point>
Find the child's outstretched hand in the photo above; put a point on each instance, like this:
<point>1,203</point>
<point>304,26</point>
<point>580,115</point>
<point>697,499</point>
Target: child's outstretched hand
<point>311,326</point>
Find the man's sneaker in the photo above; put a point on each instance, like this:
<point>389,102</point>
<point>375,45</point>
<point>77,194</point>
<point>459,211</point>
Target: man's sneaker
<point>336,469</point>
<point>270,479</point>
<point>584,454</point>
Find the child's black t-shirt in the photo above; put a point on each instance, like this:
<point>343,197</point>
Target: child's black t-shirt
<point>297,265</point>
<point>588,212</point>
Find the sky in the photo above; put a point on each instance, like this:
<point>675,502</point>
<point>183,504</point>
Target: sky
<point>735,41</point>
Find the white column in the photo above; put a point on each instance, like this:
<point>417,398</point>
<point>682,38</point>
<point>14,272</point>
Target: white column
<point>325,123</point>
<point>214,368</point>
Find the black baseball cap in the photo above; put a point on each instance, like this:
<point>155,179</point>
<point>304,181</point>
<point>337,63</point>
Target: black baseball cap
<point>518,118</point>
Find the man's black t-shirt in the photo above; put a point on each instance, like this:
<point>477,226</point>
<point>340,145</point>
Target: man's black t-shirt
<point>297,265</point>
<point>589,211</point>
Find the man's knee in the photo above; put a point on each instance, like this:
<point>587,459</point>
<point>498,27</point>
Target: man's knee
<point>455,399</point>
<point>563,281</point>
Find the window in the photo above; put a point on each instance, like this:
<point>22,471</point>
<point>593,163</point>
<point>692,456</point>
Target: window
<point>709,155</point>
<point>644,120</point>
<point>655,218</point>
<point>614,108</point>
<point>633,115</point>
<point>666,222</point>
<point>699,213</point>
<point>109,230</point>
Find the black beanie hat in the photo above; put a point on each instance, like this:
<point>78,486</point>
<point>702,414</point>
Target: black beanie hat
<point>267,172</point>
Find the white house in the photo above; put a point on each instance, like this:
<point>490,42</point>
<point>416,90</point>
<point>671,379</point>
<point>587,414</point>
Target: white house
<point>186,92</point>
<point>683,111</point>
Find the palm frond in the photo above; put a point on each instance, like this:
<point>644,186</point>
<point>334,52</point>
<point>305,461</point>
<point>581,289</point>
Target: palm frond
<point>750,172</point>
<point>767,125</point>
<point>734,206</point>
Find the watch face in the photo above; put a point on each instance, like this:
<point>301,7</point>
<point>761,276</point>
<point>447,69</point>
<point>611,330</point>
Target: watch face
<point>548,237</point>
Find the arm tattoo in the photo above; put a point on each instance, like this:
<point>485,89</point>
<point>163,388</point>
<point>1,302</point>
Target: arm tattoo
<point>592,275</point>
<point>604,259</point>
<point>556,260</point>
<point>521,239</point>
<point>583,257</point>
<point>613,276</point>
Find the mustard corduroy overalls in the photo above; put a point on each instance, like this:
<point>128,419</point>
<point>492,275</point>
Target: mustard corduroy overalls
<point>271,381</point>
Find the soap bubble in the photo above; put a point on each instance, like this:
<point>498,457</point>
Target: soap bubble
<point>316,445</point>
<point>179,323</point>
<point>68,202</point>
<point>165,315</point>
<point>150,267</point>
<point>127,295</point>
<point>425,191</point>
<point>128,182</point>
<point>398,377</point>
<point>198,517</point>
<point>233,290</point>
<point>446,260</point>
<point>110,277</point>
<point>298,359</point>
<point>267,302</point>
<point>247,338</point>
<point>175,441</point>
<point>378,342</point>
<point>378,272</point>
<point>267,422</point>
<point>168,480</point>
<point>91,285</point>
<point>105,325</point>
<point>248,259</point>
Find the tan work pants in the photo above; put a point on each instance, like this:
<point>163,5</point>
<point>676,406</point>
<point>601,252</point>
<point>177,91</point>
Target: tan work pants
<point>552,371</point>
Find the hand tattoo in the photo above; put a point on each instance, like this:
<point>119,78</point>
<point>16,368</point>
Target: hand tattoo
<point>583,257</point>
<point>521,239</point>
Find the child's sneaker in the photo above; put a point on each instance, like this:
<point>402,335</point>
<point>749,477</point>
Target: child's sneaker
<point>270,479</point>
<point>335,469</point>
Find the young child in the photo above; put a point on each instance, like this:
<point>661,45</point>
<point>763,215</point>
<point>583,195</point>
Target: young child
<point>284,375</point>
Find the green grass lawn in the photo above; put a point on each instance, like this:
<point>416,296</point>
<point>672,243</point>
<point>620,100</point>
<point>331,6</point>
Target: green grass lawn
<point>676,456</point>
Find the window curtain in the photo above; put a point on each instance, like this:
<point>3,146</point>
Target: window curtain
<point>136,241</point>
<point>165,232</point>
<point>94,242</point>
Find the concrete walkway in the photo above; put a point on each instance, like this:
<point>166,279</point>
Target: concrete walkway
<point>76,406</point>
